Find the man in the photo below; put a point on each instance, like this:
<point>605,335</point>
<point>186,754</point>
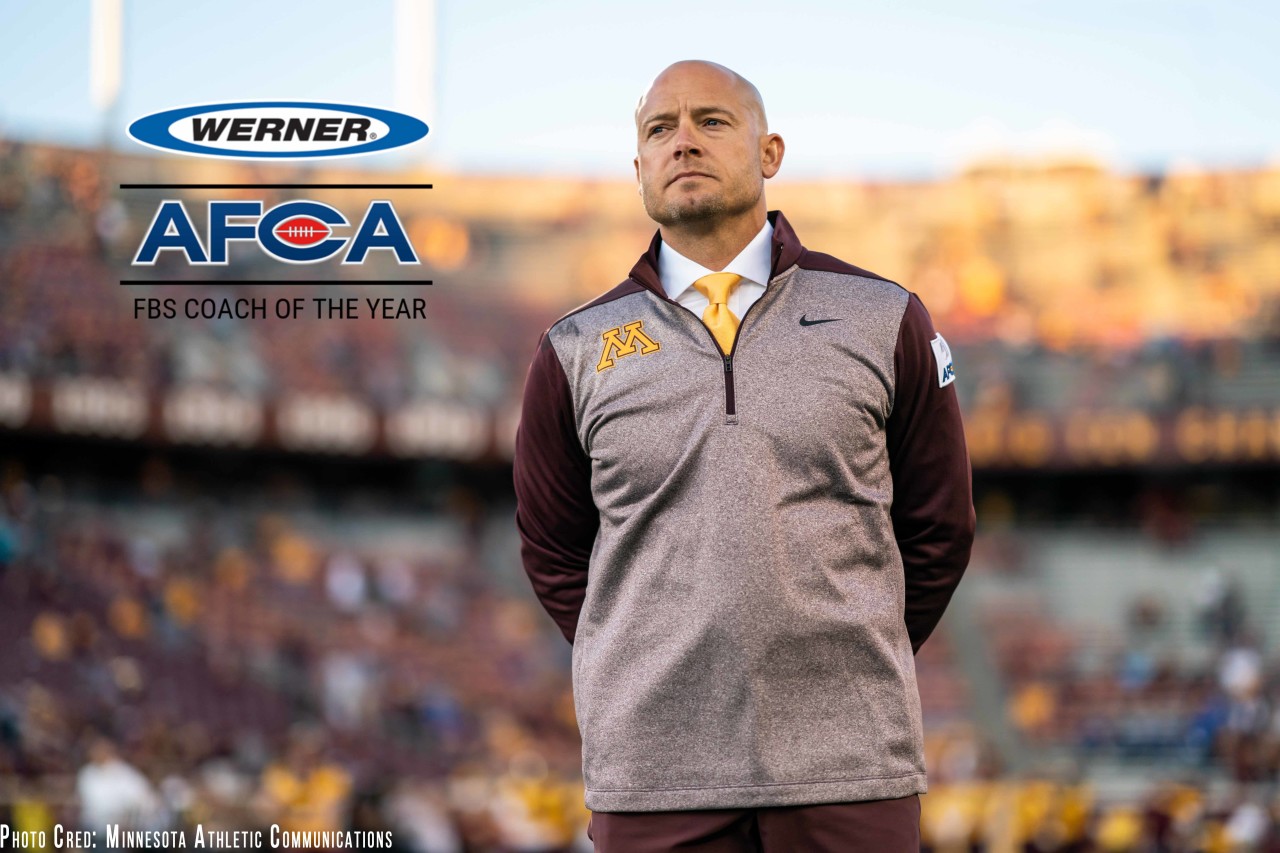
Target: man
<point>744,497</point>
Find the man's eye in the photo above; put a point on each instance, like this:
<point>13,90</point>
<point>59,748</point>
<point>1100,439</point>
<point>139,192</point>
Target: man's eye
<point>716,120</point>
<point>654,130</point>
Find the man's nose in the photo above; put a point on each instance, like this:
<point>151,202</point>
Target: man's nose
<point>686,141</point>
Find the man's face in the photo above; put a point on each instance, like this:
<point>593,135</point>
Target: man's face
<point>701,147</point>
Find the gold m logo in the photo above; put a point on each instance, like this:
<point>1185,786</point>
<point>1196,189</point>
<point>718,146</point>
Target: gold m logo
<point>616,346</point>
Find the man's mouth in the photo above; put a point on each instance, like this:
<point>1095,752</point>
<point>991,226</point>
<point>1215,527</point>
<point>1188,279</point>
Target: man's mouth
<point>683,175</point>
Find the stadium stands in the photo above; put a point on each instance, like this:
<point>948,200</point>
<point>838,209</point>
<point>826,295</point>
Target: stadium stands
<point>268,632</point>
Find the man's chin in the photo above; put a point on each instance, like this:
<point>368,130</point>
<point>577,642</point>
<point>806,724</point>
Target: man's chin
<point>688,212</point>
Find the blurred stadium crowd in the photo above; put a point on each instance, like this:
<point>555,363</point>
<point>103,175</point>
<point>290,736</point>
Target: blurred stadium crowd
<point>357,648</point>
<point>1063,287</point>
<point>248,666</point>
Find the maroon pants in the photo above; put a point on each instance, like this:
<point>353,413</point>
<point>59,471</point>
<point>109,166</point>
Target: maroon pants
<point>875,826</point>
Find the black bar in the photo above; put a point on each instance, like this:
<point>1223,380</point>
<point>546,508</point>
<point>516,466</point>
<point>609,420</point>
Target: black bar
<point>212,282</point>
<point>276,186</point>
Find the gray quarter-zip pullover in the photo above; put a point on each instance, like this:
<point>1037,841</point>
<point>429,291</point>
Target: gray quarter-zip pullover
<point>746,550</point>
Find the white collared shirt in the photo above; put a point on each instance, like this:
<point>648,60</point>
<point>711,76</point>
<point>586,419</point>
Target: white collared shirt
<point>677,274</point>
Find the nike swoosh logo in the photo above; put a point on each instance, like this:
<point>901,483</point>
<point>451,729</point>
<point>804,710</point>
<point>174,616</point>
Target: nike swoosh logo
<point>804,322</point>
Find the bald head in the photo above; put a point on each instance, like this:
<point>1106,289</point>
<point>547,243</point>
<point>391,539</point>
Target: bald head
<point>703,153</point>
<point>701,71</point>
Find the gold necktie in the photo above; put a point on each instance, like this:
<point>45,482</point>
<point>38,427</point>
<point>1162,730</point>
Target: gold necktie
<point>717,317</point>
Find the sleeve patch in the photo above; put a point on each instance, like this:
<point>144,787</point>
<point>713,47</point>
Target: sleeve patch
<point>942,358</point>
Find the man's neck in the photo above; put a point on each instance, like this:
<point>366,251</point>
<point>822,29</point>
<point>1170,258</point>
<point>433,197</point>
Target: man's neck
<point>714,244</point>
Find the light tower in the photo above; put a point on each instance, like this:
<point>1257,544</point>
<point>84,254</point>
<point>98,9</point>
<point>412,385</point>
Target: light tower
<point>415,59</point>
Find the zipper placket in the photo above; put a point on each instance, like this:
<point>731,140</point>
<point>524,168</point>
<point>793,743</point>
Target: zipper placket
<point>730,400</point>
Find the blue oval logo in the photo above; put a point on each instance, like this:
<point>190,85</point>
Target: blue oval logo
<point>296,130</point>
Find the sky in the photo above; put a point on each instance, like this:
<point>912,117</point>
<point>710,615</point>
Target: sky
<point>890,90</point>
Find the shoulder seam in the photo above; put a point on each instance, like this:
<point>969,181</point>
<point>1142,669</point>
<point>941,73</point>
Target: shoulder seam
<point>897,339</point>
<point>569,386</point>
<point>555,353</point>
<point>808,258</point>
<point>615,293</point>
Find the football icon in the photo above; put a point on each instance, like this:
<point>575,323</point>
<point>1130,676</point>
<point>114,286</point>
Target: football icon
<point>302,231</point>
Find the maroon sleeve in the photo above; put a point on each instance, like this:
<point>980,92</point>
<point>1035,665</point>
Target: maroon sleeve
<point>555,515</point>
<point>933,517</point>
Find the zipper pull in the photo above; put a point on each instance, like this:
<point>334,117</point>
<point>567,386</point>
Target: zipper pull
<point>728,364</point>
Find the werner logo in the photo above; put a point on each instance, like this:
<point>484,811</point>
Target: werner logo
<point>296,232</point>
<point>296,130</point>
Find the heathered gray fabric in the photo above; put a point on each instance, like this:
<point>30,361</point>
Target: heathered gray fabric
<point>742,640</point>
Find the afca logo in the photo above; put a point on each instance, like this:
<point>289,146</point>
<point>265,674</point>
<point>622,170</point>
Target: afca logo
<point>296,232</point>
<point>299,130</point>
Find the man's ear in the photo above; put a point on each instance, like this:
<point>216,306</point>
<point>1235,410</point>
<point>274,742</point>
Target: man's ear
<point>771,150</point>
<point>639,188</point>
